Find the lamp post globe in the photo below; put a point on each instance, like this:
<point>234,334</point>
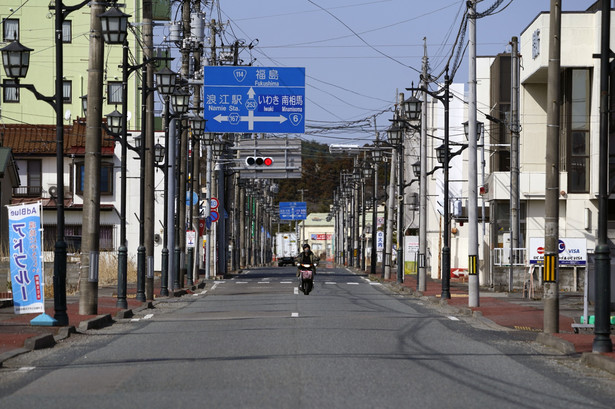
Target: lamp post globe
<point>197,125</point>
<point>441,154</point>
<point>16,59</point>
<point>394,134</point>
<point>479,129</point>
<point>165,81</point>
<point>416,168</point>
<point>159,153</point>
<point>180,101</point>
<point>114,122</point>
<point>412,108</point>
<point>114,25</point>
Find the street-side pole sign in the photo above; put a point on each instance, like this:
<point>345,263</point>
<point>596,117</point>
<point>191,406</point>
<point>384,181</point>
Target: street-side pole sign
<point>572,251</point>
<point>254,99</point>
<point>293,210</point>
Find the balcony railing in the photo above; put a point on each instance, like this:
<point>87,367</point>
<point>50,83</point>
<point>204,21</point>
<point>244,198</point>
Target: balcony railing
<point>27,191</point>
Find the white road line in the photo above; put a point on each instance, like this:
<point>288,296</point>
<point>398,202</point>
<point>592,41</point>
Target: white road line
<point>135,320</point>
<point>26,368</point>
<point>376,283</point>
<point>349,283</point>
<point>263,282</point>
<point>241,282</point>
<point>330,282</point>
<point>148,316</point>
<point>450,317</point>
<point>294,315</point>
<point>296,291</point>
<point>286,282</point>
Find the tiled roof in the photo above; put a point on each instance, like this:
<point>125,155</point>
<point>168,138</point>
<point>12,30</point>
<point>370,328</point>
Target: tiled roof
<point>27,139</point>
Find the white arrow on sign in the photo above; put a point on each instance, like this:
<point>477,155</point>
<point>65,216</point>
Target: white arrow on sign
<point>251,93</point>
<point>250,119</point>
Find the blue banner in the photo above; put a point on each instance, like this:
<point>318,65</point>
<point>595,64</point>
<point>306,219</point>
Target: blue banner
<point>26,261</point>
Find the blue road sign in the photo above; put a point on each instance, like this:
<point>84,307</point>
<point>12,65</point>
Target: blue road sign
<point>293,211</point>
<point>254,99</point>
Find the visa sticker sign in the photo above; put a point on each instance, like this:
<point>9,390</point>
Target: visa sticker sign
<point>572,251</point>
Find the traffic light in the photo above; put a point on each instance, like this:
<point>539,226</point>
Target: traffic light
<point>259,161</point>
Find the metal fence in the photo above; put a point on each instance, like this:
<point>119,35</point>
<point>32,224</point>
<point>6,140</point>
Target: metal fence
<point>504,257</point>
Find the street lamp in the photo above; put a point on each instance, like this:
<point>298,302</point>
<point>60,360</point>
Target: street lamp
<point>197,127</point>
<point>16,59</point>
<point>377,157</point>
<point>395,134</point>
<point>114,24</point>
<point>165,82</point>
<point>115,122</point>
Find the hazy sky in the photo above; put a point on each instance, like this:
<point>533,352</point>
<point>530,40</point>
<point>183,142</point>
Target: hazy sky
<point>358,53</point>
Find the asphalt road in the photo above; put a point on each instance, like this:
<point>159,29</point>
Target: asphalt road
<point>256,342</point>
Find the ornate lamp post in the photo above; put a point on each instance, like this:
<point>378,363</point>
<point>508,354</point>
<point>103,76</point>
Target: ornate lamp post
<point>165,83</point>
<point>197,126</point>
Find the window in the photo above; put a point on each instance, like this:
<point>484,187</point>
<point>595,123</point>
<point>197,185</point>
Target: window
<point>10,94</point>
<point>67,92</point>
<point>31,178</point>
<point>114,92</point>
<point>67,32</point>
<point>11,30</point>
<point>577,108</point>
<point>106,178</point>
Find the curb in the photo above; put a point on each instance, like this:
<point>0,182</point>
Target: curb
<point>39,342</point>
<point>96,323</point>
<point>598,361</point>
<point>554,342</point>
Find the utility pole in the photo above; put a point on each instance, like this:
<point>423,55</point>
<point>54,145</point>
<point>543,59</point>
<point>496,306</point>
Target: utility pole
<point>515,227</point>
<point>90,244</point>
<point>390,219</point>
<point>208,173</point>
<point>148,139</point>
<point>602,329</point>
<point>303,223</point>
<point>473,284</point>
<point>423,176</point>
<point>183,148</point>
<point>551,258</point>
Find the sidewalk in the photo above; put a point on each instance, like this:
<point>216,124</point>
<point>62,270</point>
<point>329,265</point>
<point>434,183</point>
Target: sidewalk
<point>17,336</point>
<point>513,311</point>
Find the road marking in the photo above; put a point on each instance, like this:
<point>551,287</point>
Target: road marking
<point>294,315</point>
<point>296,291</point>
<point>330,282</point>
<point>205,291</point>
<point>148,316</point>
<point>263,282</point>
<point>241,282</point>
<point>135,320</point>
<point>286,282</point>
<point>24,369</point>
<point>450,317</point>
<point>375,283</point>
<point>349,283</point>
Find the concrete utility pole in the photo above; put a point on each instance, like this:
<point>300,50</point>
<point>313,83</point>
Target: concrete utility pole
<point>602,329</point>
<point>90,244</point>
<point>473,267</point>
<point>148,53</point>
<point>213,60</point>
<point>302,191</point>
<point>515,227</point>
<point>390,219</point>
<point>423,176</point>
<point>183,149</point>
<point>551,255</point>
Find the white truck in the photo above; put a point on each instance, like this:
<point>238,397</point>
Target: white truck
<point>285,248</point>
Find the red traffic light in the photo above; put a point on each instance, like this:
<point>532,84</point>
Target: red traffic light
<point>257,161</point>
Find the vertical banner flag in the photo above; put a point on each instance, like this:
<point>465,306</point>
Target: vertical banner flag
<point>26,262</point>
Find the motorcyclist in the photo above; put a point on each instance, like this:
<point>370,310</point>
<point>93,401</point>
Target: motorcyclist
<point>307,257</point>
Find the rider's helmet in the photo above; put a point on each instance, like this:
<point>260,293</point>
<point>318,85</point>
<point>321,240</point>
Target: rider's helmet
<point>306,246</point>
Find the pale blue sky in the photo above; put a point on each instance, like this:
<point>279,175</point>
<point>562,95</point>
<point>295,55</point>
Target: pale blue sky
<point>358,53</point>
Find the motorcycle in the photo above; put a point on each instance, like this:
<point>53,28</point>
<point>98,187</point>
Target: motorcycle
<point>306,275</point>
